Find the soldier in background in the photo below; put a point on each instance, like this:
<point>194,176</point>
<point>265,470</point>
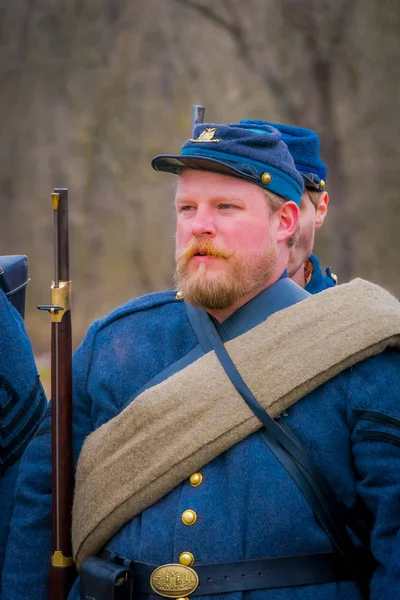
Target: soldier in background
<point>22,399</point>
<point>304,266</point>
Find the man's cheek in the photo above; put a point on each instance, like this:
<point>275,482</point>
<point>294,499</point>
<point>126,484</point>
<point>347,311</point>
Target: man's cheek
<point>250,243</point>
<point>183,236</point>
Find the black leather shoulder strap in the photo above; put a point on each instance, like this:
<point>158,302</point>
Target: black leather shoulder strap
<point>331,512</point>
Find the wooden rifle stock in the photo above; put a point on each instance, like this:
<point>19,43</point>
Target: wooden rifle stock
<point>62,571</point>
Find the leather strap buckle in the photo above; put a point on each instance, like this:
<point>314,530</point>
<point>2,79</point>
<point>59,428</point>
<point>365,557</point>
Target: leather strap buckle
<point>174,580</point>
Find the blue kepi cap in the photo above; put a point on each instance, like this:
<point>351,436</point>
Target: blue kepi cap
<point>256,154</point>
<point>304,146</point>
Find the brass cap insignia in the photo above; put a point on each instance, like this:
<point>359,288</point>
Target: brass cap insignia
<point>174,580</point>
<point>207,135</point>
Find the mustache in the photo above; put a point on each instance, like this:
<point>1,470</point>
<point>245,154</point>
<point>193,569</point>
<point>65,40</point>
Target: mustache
<point>206,247</point>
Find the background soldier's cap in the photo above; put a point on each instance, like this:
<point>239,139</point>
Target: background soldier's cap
<point>254,153</point>
<point>304,147</point>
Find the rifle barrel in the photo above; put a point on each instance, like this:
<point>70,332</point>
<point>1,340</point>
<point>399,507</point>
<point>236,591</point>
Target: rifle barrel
<point>198,112</point>
<point>62,569</point>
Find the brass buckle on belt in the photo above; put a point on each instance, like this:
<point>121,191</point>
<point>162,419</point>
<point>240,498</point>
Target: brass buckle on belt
<point>174,581</point>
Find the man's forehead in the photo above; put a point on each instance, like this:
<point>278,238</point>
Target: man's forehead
<point>206,181</point>
<point>198,175</point>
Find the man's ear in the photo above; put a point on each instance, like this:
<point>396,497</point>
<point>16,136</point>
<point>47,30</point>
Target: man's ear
<point>288,218</point>
<point>322,209</point>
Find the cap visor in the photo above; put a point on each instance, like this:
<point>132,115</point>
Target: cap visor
<point>310,184</point>
<point>172,163</point>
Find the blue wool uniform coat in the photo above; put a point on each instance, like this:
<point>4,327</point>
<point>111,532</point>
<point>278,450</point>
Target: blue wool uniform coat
<point>247,505</point>
<point>389,589</point>
<point>22,404</point>
<point>319,280</point>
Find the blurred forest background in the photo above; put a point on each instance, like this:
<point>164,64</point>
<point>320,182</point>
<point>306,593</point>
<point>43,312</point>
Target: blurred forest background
<point>91,90</point>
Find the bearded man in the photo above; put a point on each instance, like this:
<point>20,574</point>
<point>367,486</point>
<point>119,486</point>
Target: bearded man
<point>237,438</point>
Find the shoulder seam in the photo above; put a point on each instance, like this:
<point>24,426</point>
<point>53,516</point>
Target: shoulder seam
<point>130,308</point>
<point>96,328</point>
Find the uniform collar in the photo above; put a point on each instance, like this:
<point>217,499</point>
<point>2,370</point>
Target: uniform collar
<point>320,280</point>
<point>280,295</point>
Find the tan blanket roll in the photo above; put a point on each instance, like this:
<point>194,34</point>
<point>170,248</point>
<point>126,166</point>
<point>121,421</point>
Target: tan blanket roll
<point>181,424</point>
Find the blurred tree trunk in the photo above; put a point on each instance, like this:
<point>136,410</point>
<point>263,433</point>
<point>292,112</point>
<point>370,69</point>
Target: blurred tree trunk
<point>324,33</point>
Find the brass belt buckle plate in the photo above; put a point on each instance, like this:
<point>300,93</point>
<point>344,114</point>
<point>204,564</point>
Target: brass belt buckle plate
<point>174,581</point>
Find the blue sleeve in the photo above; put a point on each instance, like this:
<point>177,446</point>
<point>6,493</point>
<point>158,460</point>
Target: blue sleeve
<point>82,403</point>
<point>7,487</point>
<point>28,548</point>
<point>389,588</point>
<point>26,566</point>
<point>22,405</point>
<point>374,411</point>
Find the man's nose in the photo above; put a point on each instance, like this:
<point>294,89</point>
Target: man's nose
<point>204,224</point>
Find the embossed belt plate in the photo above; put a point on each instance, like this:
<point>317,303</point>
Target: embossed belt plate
<point>174,580</point>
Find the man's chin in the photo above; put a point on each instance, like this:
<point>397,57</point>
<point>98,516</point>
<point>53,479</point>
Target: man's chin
<point>207,273</point>
<point>294,266</point>
<point>208,290</point>
<point>210,296</point>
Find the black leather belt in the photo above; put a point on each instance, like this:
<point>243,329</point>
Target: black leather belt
<point>244,575</point>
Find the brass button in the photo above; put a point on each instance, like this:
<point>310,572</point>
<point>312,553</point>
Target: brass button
<point>321,184</point>
<point>334,277</point>
<point>182,598</point>
<point>189,517</point>
<point>179,296</point>
<point>266,178</point>
<point>196,479</point>
<point>186,558</point>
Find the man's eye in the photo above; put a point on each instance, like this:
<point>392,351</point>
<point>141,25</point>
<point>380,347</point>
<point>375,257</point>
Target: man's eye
<point>225,206</point>
<point>186,208</point>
